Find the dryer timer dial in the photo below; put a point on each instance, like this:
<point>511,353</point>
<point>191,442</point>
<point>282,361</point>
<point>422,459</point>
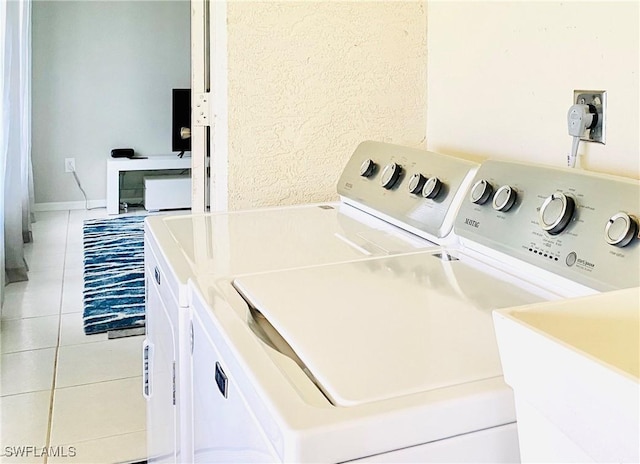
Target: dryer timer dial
<point>556,213</point>
<point>504,198</point>
<point>390,175</point>
<point>620,229</point>
<point>432,187</point>
<point>367,168</point>
<point>416,182</point>
<point>481,192</point>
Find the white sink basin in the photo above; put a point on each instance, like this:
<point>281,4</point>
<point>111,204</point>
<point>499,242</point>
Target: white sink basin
<point>574,366</point>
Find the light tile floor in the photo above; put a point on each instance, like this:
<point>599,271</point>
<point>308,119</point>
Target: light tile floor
<point>60,389</point>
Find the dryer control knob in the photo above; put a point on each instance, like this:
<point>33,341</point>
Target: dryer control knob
<point>416,182</point>
<point>504,198</point>
<point>367,168</point>
<point>620,229</point>
<point>390,175</point>
<point>556,213</point>
<point>480,192</point>
<point>432,187</point>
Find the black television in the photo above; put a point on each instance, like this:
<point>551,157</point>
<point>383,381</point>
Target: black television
<point>180,119</point>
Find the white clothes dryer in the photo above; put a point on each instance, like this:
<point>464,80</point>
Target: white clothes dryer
<point>394,358</point>
<point>393,200</point>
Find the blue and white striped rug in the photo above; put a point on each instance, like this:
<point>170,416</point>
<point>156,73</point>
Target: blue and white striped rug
<point>113,274</point>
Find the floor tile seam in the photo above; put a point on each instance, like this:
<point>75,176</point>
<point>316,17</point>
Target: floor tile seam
<point>54,276</point>
<point>40,348</point>
<point>74,250</point>
<point>75,268</point>
<point>85,384</point>
<point>19,297</point>
<point>122,434</point>
<point>105,437</point>
<point>33,293</point>
<point>55,359</point>
<point>72,312</point>
<point>9,395</point>
<point>44,252</point>
<point>128,431</point>
<point>67,345</point>
<point>70,256</point>
<point>90,342</point>
<point>29,286</point>
<point>47,269</point>
<point>23,318</point>
<point>45,245</point>
<point>3,320</point>
<point>33,269</point>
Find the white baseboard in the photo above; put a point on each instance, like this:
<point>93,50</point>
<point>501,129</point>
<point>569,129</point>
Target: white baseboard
<point>69,205</point>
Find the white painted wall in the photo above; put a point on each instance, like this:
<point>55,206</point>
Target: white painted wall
<point>308,81</point>
<point>102,78</point>
<point>501,77</point>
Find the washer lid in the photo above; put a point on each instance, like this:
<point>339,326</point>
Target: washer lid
<point>381,328</point>
<point>281,238</point>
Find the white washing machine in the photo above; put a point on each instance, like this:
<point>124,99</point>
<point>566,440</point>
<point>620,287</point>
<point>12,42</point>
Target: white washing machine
<point>394,358</point>
<point>373,218</point>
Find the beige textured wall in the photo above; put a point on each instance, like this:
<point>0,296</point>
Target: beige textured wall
<point>307,81</point>
<point>501,77</point>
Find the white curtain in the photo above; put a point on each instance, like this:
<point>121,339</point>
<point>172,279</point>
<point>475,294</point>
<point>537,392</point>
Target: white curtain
<point>15,137</point>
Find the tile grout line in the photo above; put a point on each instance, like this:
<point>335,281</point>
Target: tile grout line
<point>118,379</point>
<point>55,359</point>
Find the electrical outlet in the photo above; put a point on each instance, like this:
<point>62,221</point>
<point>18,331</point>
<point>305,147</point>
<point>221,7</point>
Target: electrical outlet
<point>597,99</point>
<point>69,165</point>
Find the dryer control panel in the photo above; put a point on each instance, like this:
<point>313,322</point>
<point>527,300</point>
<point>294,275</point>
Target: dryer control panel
<point>415,189</point>
<point>575,223</point>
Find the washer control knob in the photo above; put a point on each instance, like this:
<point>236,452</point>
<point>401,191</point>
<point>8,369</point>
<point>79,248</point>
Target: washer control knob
<point>390,175</point>
<point>480,192</point>
<point>556,213</point>
<point>367,168</point>
<point>416,182</point>
<point>620,229</point>
<point>432,187</point>
<point>504,198</point>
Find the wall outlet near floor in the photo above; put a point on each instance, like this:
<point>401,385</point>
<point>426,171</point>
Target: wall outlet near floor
<point>69,164</point>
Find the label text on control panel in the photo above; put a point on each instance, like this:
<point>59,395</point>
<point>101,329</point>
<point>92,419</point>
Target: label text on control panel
<point>586,264</point>
<point>472,223</point>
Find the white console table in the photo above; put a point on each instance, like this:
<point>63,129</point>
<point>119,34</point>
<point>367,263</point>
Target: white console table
<point>152,163</point>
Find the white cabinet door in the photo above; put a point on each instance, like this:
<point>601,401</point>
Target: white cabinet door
<point>224,428</point>
<point>160,379</point>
